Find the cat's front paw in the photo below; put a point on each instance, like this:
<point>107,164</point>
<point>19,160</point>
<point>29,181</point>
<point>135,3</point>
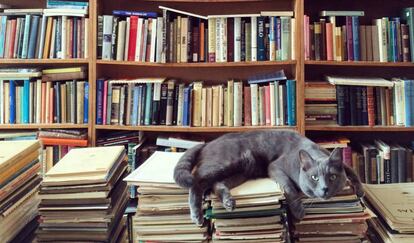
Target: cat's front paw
<point>229,204</point>
<point>197,218</point>
<point>297,210</point>
<point>359,190</point>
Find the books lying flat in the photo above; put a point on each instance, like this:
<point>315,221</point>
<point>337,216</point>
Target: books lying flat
<point>359,81</point>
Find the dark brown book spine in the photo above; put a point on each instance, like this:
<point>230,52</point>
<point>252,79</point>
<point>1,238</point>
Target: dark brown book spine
<point>230,39</point>
<point>344,49</point>
<point>195,44</point>
<point>368,36</point>
<point>399,41</point>
<point>243,41</point>
<point>409,160</point>
<point>317,39</point>
<point>363,42</point>
<point>312,42</point>
<point>405,43</point>
<point>247,107</point>
<point>190,39</point>
<point>323,46</point>
<point>371,106</point>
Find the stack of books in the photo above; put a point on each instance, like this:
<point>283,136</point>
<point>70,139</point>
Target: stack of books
<point>163,212</point>
<point>266,101</point>
<point>119,138</point>
<point>340,218</point>
<point>320,103</point>
<point>338,36</point>
<point>258,216</point>
<point>19,187</point>
<point>17,135</point>
<point>83,197</point>
<point>179,37</point>
<point>44,96</point>
<point>392,205</point>
<point>59,31</point>
<point>57,143</point>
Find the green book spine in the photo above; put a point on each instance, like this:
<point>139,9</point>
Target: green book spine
<point>285,38</point>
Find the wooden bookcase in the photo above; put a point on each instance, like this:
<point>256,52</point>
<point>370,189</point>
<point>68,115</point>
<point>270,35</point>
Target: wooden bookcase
<point>298,69</point>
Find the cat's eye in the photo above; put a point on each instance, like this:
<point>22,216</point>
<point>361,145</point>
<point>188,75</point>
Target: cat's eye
<point>315,178</point>
<point>332,177</point>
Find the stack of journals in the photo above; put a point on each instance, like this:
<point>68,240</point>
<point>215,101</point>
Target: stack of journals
<point>258,216</point>
<point>17,135</point>
<point>60,31</point>
<point>341,218</point>
<point>320,103</point>
<point>163,212</point>
<point>265,102</point>
<point>393,206</point>
<point>19,186</point>
<point>119,138</point>
<point>83,197</point>
<point>57,143</point>
<point>180,37</point>
<point>49,96</point>
<point>339,36</point>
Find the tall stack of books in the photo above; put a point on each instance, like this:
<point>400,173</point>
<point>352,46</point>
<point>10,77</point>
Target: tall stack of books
<point>320,103</point>
<point>258,216</point>
<point>340,218</point>
<point>374,101</point>
<point>392,205</point>
<point>267,101</point>
<point>83,197</point>
<point>163,210</point>
<point>178,36</point>
<point>50,96</point>
<point>339,36</point>
<point>19,187</point>
<point>59,31</point>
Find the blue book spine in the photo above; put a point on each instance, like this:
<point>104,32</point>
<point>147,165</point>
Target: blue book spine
<point>148,103</point>
<point>108,104</point>
<point>392,42</point>
<point>26,36</point>
<point>186,105</point>
<point>291,102</point>
<point>26,96</point>
<point>408,98</point>
<point>99,101</point>
<point>143,98</point>
<point>278,39</point>
<point>395,42</point>
<point>261,47</point>
<point>355,37</point>
<point>86,104</point>
<point>134,13</point>
<point>135,106</point>
<point>3,24</point>
<point>33,37</point>
<point>12,95</point>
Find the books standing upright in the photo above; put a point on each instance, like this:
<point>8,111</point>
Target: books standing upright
<point>19,186</point>
<point>83,196</point>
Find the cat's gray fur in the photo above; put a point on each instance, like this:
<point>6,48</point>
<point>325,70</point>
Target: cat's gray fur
<point>293,161</point>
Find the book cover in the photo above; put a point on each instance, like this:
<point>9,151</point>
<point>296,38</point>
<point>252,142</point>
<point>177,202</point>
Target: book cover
<point>291,102</point>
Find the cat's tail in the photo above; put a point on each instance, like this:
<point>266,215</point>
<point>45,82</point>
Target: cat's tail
<point>182,172</point>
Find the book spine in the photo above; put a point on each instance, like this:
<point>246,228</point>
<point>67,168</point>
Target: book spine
<point>132,38</point>
<point>12,102</point>
<point>267,105</point>
<point>26,36</point>
<point>212,39</point>
<point>253,35</point>
<point>99,101</point>
<point>371,105</point>
<point>148,104</point>
<point>349,38</point>
<point>106,37</point>
<point>291,102</point>
<point>355,38</point>
<point>329,42</point>
<point>163,104</point>
<point>322,46</point>
<point>86,103</point>
<point>285,37</point>
<point>317,41</point>
<point>341,103</point>
<point>261,48</point>
<point>254,103</point>
<point>33,37</point>
<point>405,43</point>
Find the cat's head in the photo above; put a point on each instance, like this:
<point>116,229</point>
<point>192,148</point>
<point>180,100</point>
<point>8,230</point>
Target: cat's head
<point>321,177</point>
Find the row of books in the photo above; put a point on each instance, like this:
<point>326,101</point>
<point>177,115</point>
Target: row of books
<point>58,32</point>
<point>359,101</point>
<point>155,102</point>
<point>345,39</point>
<point>180,37</point>
<point>44,97</point>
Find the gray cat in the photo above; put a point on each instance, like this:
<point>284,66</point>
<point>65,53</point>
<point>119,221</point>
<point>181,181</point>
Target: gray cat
<point>293,161</point>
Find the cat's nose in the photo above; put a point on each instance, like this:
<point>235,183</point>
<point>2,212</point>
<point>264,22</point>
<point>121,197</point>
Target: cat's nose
<point>325,190</point>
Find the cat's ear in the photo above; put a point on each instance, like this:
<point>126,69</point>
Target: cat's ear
<point>336,156</point>
<point>306,161</point>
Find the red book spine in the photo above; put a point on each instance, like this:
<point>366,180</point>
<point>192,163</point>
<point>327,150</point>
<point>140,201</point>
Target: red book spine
<point>371,106</point>
<point>329,42</point>
<point>247,107</point>
<point>105,102</point>
<point>13,36</point>
<point>347,156</point>
<point>132,38</point>
<point>267,104</point>
<point>50,105</point>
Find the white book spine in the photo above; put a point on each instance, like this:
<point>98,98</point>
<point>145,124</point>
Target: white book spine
<point>272,42</point>
<point>6,102</point>
<point>403,102</point>
<point>180,105</point>
<point>86,53</point>
<point>277,113</point>
<point>272,105</point>
<point>120,47</point>
<point>31,101</point>
<point>2,108</point>
<point>218,40</point>
<point>38,101</point>
<point>139,40</point>
<point>153,39</point>
<point>183,40</point>
<point>221,105</point>
<point>127,30</point>
<point>254,38</point>
<point>107,37</point>
<point>62,53</point>
<point>144,40</point>
<point>159,47</point>
<point>237,39</point>
<point>281,109</point>
<point>254,102</point>
<point>224,37</point>
<point>238,104</point>
<point>204,107</point>
<point>293,39</point>
<point>384,44</point>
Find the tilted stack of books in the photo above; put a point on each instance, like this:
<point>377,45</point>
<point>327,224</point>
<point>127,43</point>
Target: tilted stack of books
<point>59,31</point>
<point>180,37</point>
<point>258,217</point>
<point>393,206</point>
<point>320,103</point>
<point>163,211</point>
<point>340,218</point>
<point>19,187</point>
<point>83,197</point>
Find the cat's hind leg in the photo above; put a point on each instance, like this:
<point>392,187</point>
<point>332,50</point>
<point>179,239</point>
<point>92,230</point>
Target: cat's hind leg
<point>222,190</point>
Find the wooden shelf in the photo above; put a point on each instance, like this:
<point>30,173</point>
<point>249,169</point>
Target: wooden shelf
<point>359,128</point>
<point>43,126</point>
<point>44,61</point>
<point>189,129</point>
<point>360,63</point>
<point>209,1</point>
<point>198,64</point>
